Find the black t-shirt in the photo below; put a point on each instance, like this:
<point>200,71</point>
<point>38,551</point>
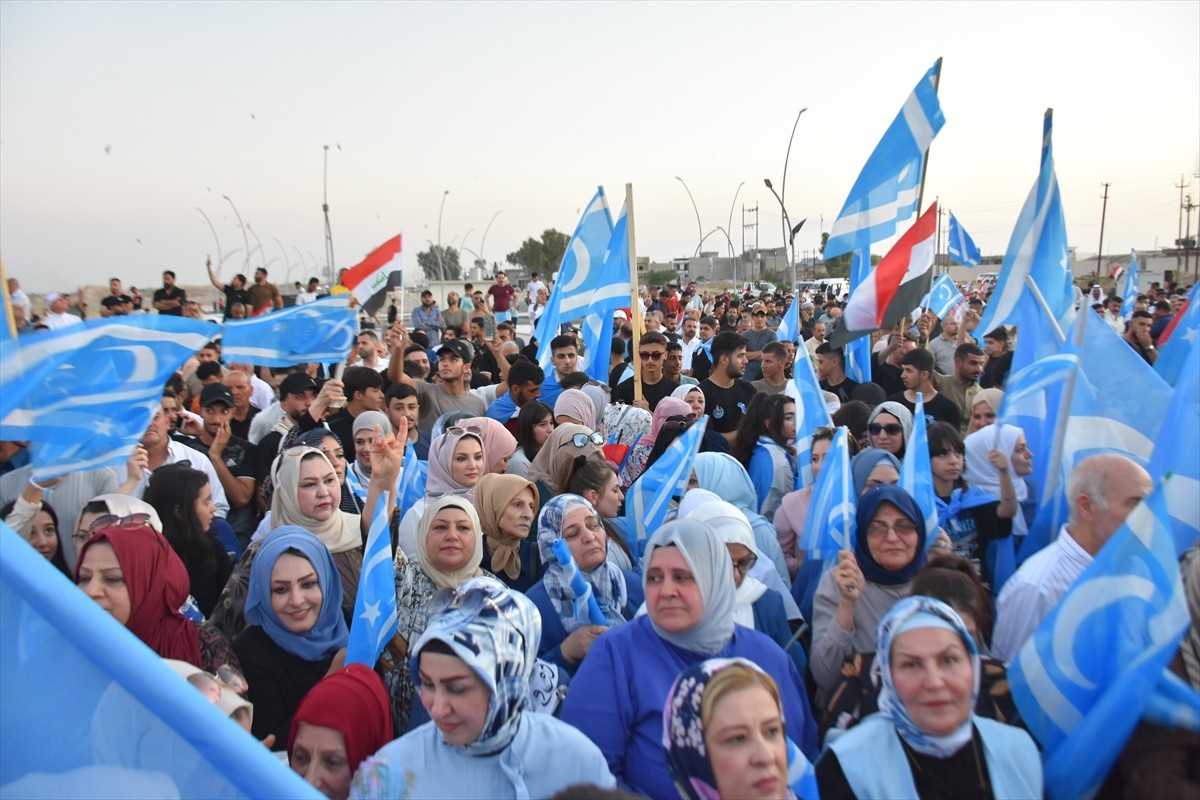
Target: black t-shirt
<point>651,392</point>
<point>701,365</point>
<point>939,409</point>
<point>242,460</point>
<point>242,429</point>
<point>843,390</point>
<point>972,529</point>
<point>996,371</point>
<point>725,407</point>
<point>887,377</point>
<point>242,296</point>
<point>174,293</point>
<point>113,303</point>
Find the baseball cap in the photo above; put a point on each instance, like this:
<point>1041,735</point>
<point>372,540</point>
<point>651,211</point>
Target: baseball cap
<point>296,383</point>
<point>619,314</point>
<point>50,298</point>
<point>457,348</point>
<point>216,393</point>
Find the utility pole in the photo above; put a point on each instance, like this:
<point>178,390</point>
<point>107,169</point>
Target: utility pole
<point>1103,213</point>
<point>1187,236</point>
<point>754,213</point>
<point>329,267</point>
<point>1179,236</point>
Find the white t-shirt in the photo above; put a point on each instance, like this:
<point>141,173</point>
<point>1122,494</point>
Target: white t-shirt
<point>304,296</point>
<point>531,291</point>
<point>56,322</point>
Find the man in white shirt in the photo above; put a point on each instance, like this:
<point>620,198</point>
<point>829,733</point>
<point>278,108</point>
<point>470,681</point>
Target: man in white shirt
<point>690,340</point>
<point>162,449</point>
<point>309,294</point>
<point>532,289</point>
<point>18,297</point>
<point>1102,491</point>
<point>57,317</point>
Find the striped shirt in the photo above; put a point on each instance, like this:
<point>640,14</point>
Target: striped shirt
<point>1032,592</point>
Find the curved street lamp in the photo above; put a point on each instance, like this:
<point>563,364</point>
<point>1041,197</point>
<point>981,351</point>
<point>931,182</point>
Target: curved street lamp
<point>699,227</point>
<point>441,268</point>
<point>483,242</point>
<point>245,239</point>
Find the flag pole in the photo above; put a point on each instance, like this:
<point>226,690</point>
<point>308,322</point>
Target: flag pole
<point>635,309</point>
<point>937,79</point>
<point>9,322</point>
<point>1041,299</point>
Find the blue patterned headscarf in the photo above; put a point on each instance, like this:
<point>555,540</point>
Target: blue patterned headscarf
<point>708,560</point>
<point>906,615</point>
<point>330,633</point>
<point>606,580</point>
<point>683,736</point>
<point>868,504</point>
<point>496,632</point>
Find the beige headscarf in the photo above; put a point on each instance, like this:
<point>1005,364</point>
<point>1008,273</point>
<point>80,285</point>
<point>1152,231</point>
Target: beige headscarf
<point>551,465</point>
<point>990,396</point>
<point>493,494</point>
<point>471,569</point>
<point>339,533</point>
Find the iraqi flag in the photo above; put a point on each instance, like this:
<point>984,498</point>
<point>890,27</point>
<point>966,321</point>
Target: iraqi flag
<point>371,275</point>
<point>896,285</point>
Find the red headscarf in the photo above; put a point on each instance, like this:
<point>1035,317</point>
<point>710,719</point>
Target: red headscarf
<point>158,587</point>
<point>354,703</point>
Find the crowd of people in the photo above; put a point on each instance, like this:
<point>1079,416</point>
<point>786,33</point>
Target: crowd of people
<point>713,660</point>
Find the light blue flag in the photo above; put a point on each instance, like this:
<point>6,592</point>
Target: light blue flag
<point>887,190</point>
<point>578,274</point>
<point>1129,290</point>
<point>789,327</point>
<point>1173,354</point>
<point>410,486</point>
<point>829,526</point>
<point>960,246</point>
<point>87,709</point>
<point>319,332</point>
<point>943,296</point>
<point>586,609</point>
<point>1037,249</point>
<point>1083,680</point>
<point>916,474</point>
<point>811,413</point>
<point>611,294</point>
<point>858,352</point>
<point>1176,452</point>
<point>375,620</point>
<point>83,396</point>
<point>649,498</point>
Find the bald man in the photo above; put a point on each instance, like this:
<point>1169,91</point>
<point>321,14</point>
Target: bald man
<point>1102,490</point>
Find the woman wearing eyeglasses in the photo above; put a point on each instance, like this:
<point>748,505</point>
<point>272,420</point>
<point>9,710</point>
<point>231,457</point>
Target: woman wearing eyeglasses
<point>889,427</point>
<point>472,666</point>
<point>551,470</point>
<point>457,460</point>
<point>565,637</point>
<point>670,418</point>
<point>508,506</point>
<point>889,551</point>
<point>296,633</point>
<point>617,695</point>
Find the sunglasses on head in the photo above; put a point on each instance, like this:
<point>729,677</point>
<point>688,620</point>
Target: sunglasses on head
<point>127,523</point>
<point>584,439</point>
<point>891,429</point>
<point>451,493</point>
<point>458,430</point>
<point>646,355</point>
<point>680,422</point>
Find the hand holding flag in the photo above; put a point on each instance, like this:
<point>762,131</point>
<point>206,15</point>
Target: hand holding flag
<point>587,610</point>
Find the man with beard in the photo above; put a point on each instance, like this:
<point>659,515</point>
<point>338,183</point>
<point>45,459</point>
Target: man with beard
<point>726,395</point>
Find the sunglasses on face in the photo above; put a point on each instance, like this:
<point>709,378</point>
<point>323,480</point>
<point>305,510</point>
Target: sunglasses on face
<point>680,422</point>
<point>645,355</point>
<point>891,429</point>
<point>584,439</point>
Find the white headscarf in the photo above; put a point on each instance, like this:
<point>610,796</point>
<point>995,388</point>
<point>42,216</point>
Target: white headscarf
<point>980,473</point>
<point>708,560</point>
<point>732,527</point>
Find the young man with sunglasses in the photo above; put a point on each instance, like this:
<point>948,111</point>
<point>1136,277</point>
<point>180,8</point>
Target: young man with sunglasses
<point>758,337</point>
<point>453,389</point>
<point>726,394</point>
<point>652,349</point>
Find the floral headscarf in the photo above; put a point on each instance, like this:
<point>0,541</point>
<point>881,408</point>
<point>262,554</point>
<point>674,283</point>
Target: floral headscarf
<point>607,582</point>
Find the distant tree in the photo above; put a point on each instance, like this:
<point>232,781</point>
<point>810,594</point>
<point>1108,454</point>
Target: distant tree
<point>541,255</point>
<point>836,267</point>
<point>658,277</point>
<point>451,270</point>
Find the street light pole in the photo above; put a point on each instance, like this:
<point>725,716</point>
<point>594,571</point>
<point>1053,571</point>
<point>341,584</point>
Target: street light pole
<point>483,242</point>
<point>245,238</point>
<point>441,267</point>
<point>783,193</point>
<point>699,227</point>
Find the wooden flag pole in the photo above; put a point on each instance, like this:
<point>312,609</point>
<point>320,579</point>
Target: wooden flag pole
<point>635,309</point>
<point>9,322</point>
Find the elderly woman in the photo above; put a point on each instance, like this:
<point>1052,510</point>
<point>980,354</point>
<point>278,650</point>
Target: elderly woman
<point>507,507</point>
<point>449,545</point>
<point>472,664</point>
<point>457,460</point>
<point>889,427</point>
<point>342,720</point>
<point>926,741</point>
<point>565,637</point>
<point>889,551</point>
<point>617,696</point>
<point>295,634</point>
<point>724,736</point>
<point>596,481</point>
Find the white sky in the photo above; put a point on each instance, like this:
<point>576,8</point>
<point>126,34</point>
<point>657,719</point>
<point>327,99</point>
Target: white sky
<point>528,107</point>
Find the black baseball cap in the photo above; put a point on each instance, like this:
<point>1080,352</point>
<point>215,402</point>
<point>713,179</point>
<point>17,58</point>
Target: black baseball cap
<point>458,348</point>
<point>296,383</point>
<point>215,393</point>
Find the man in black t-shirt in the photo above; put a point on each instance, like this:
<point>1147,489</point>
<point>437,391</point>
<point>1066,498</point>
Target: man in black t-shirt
<point>117,303</point>
<point>916,371</point>
<point>652,349</point>
<point>726,395</point>
<point>170,299</point>
<point>831,369</point>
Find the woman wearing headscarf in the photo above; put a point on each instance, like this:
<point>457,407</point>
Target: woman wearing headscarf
<point>105,510</point>
<point>998,461</point>
<point>691,394</point>
<point>793,509</point>
<point>889,551</point>
<point>889,427</point>
<point>668,412</point>
<point>873,467</point>
<point>721,474</point>
<point>473,663</point>
<point>575,407</point>
<point>457,460</point>
<point>498,443</point>
<point>296,633</point>
<point>449,545</point>
<point>984,409</point>
<point>925,741</point>
<point>551,469</point>
<point>507,507</point>
<point>343,719</point>
<point>723,735</point>
<point>565,637</point>
<point>363,431</point>
<point>690,597</point>
<point>599,394</point>
<point>596,481</point>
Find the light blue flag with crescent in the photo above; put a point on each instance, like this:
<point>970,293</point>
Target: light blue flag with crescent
<point>811,413</point>
<point>858,352</point>
<point>410,486</point>
<point>789,327</point>
<point>87,709</point>
<point>1173,353</point>
<point>943,296</point>
<point>1084,679</point>
<point>1037,249</point>
<point>886,192</point>
<point>829,526</point>
<point>579,273</point>
<point>320,332</point>
<point>1177,453</point>
<point>375,618</point>
<point>916,474</point>
<point>1129,290</point>
<point>606,298</point>
<point>960,246</point>
<point>83,396</point>
<point>650,496</point>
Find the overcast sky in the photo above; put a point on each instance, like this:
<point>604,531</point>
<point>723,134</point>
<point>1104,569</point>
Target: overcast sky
<point>118,120</point>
